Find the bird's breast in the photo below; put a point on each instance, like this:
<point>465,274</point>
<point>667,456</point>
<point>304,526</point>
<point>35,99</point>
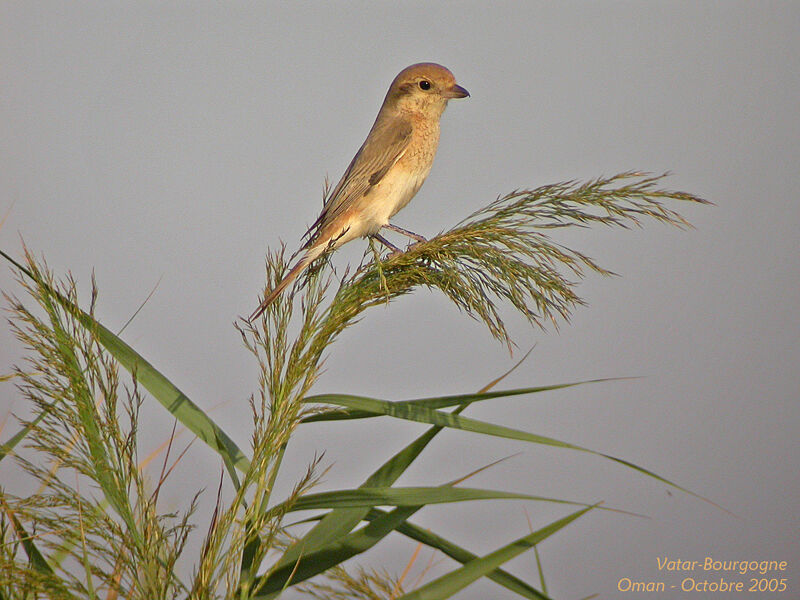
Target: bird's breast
<point>394,192</point>
<point>403,181</point>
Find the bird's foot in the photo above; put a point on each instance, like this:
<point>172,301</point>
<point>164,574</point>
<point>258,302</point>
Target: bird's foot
<point>405,232</point>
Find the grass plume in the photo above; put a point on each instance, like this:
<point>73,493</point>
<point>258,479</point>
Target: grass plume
<point>501,253</point>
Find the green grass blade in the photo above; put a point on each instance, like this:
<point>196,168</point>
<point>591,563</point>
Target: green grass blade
<point>341,521</point>
<point>8,446</point>
<point>174,400</point>
<point>422,414</point>
<point>161,388</point>
<point>539,568</point>
<point>456,552</point>
<point>438,402</point>
<point>311,564</point>
<point>449,584</point>
<point>403,496</point>
<point>498,575</point>
<point>37,560</point>
<point>34,556</point>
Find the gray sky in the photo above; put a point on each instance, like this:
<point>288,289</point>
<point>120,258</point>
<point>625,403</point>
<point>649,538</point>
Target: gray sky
<point>179,141</point>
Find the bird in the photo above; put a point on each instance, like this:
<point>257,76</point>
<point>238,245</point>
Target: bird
<point>386,172</point>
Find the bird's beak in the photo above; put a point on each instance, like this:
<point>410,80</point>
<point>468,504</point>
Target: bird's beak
<point>456,92</point>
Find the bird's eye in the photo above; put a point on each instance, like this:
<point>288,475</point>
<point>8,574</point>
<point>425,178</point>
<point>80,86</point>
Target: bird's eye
<point>425,84</point>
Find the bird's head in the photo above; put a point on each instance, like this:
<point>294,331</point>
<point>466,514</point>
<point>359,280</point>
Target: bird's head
<point>423,87</point>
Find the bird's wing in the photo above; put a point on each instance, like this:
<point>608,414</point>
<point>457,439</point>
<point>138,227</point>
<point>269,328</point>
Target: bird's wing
<point>384,146</point>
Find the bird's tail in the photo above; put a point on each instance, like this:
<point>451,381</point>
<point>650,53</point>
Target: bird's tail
<point>301,265</point>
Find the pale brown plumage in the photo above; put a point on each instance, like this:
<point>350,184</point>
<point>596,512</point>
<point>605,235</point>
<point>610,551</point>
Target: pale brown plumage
<point>388,169</point>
